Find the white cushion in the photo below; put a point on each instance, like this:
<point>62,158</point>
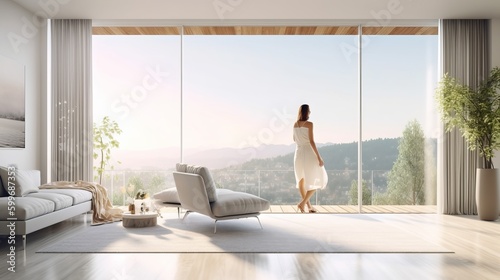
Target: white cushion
<point>26,208</point>
<point>61,201</point>
<point>26,181</point>
<point>207,179</point>
<point>181,167</point>
<point>238,203</point>
<point>78,196</point>
<point>168,195</point>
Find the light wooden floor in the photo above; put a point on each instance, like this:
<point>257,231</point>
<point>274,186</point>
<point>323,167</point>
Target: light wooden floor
<point>353,209</point>
<point>475,243</point>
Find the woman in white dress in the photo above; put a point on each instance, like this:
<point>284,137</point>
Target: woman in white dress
<point>309,170</point>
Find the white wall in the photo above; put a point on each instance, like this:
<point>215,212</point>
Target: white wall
<point>495,61</point>
<point>20,41</point>
<point>379,11</point>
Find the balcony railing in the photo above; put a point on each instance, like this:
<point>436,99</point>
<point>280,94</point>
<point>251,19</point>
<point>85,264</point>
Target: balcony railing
<point>277,186</point>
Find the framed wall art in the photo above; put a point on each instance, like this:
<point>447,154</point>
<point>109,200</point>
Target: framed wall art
<point>12,104</point>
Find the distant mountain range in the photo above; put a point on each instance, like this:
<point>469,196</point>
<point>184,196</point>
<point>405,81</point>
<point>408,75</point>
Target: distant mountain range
<point>378,154</point>
<point>214,158</point>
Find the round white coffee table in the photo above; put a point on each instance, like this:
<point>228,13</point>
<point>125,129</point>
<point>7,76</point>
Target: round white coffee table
<point>139,220</point>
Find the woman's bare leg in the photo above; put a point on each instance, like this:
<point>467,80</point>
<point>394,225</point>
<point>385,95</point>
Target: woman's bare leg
<point>308,202</point>
<point>302,189</point>
<point>303,193</point>
<point>309,206</point>
<point>306,198</point>
<point>306,195</point>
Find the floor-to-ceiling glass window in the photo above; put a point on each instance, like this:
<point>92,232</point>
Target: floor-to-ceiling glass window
<point>137,87</point>
<point>399,75</point>
<point>241,96</point>
<point>232,101</point>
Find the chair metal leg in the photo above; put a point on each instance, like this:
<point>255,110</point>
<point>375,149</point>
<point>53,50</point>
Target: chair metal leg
<point>215,221</point>
<point>259,222</point>
<point>24,249</point>
<point>185,215</point>
<point>215,224</point>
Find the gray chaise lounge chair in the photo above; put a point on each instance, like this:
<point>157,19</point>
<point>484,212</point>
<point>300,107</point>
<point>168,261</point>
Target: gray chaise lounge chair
<point>197,193</point>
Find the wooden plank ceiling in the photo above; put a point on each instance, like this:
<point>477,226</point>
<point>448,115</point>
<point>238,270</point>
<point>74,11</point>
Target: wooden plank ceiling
<point>265,30</point>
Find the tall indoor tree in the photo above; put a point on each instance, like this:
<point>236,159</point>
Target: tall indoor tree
<point>475,112</point>
<point>105,135</point>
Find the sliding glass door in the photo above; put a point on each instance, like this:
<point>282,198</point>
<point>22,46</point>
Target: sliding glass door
<point>241,97</point>
<point>229,102</point>
<point>399,120</point>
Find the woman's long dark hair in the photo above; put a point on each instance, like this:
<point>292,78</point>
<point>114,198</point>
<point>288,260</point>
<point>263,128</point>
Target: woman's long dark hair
<point>303,113</point>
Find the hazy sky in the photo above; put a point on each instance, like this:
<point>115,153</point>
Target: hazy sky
<point>245,90</point>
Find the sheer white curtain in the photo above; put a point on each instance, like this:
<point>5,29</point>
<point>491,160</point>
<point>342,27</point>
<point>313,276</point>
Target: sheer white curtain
<point>71,99</point>
<point>465,56</point>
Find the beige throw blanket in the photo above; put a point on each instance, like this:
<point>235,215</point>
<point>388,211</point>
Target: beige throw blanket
<point>103,210</point>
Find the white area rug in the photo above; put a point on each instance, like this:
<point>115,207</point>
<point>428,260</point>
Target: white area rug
<point>282,233</point>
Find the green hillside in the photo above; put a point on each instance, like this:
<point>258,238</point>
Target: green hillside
<point>378,154</point>
<point>273,178</point>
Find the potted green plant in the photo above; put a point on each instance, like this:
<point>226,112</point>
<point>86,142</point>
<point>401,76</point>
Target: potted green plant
<point>476,113</point>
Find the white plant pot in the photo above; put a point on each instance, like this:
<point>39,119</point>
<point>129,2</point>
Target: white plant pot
<point>488,194</point>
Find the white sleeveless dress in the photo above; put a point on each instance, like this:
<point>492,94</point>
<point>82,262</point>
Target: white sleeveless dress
<point>306,163</point>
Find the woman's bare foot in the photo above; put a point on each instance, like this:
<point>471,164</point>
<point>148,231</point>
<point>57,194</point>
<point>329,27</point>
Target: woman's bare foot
<point>308,204</point>
<point>301,208</point>
<point>311,208</point>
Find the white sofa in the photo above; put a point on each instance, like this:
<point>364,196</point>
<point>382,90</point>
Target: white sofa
<point>25,208</point>
<point>197,192</point>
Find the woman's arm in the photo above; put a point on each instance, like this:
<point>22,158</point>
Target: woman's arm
<point>313,144</point>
